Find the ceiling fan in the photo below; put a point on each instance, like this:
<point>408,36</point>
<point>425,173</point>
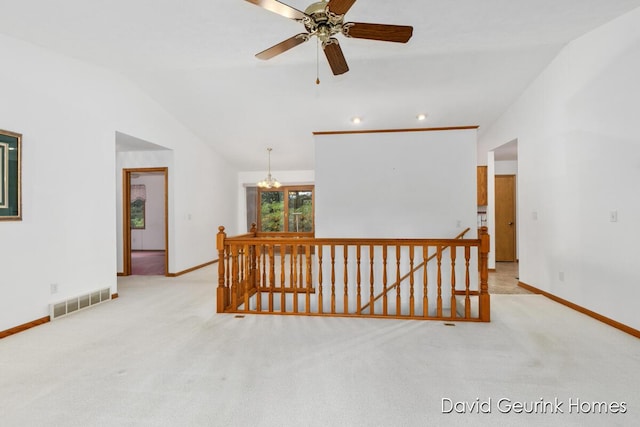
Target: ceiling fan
<point>325,19</point>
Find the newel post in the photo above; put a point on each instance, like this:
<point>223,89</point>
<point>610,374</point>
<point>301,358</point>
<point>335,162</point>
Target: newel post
<point>223,292</point>
<point>485,301</point>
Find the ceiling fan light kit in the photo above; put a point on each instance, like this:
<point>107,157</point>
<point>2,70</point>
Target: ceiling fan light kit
<point>324,20</point>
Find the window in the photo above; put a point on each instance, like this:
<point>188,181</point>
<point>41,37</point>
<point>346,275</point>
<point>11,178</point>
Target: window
<point>138,201</point>
<point>286,210</point>
<point>300,211</point>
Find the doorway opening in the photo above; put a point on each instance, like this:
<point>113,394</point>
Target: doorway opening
<point>504,206</point>
<point>145,221</point>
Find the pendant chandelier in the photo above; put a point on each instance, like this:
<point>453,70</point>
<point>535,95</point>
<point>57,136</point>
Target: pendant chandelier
<point>269,181</point>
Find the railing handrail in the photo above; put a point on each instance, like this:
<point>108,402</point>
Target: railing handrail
<point>350,241</point>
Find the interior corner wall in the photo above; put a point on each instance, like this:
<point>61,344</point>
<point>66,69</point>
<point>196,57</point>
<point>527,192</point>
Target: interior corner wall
<point>396,184</point>
<point>69,112</point>
<point>579,163</point>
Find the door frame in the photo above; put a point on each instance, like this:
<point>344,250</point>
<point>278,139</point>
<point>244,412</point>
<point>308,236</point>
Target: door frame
<point>126,216</point>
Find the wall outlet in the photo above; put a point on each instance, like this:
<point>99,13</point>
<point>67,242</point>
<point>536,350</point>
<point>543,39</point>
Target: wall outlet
<point>534,215</point>
<point>458,224</point>
<point>54,288</point>
<point>561,276</point>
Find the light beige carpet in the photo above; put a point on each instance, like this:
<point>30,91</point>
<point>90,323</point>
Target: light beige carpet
<point>160,356</point>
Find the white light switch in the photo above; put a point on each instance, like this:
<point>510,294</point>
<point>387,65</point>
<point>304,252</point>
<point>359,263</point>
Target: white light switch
<point>613,216</point>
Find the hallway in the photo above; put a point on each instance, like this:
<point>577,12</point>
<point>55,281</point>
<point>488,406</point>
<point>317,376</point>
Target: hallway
<point>505,280</point>
<point>148,263</point>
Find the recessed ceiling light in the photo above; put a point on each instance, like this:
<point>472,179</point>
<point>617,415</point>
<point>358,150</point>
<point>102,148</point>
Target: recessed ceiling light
<point>421,117</point>
<point>356,120</point>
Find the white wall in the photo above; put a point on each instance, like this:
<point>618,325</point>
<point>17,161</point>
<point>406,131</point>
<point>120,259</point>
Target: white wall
<point>407,184</point>
<point>151,237</point>
<point>578,160</point>
<point>506,167</point>
<point>69,112</point>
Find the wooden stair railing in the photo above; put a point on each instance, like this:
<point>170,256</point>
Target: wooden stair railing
<point>410,273</point>
<point>250,265</point>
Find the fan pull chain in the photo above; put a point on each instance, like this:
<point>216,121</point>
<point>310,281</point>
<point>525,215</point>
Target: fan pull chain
<point>318,62</point>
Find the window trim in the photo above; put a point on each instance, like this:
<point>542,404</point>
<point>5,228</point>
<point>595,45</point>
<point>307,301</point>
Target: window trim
<point>286,189</point>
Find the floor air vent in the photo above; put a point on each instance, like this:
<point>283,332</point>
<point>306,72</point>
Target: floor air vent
<point>74,304</point>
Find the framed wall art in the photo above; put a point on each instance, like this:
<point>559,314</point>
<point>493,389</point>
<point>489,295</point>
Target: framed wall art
<point>10,176</point>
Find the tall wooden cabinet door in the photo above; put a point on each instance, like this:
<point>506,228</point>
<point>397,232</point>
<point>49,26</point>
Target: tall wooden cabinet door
<point>505,205</point>
<point>481,179</point>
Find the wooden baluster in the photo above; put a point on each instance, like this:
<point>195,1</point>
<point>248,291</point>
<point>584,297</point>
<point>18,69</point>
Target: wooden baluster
<point>398,280</point>
<point>425,282</point>
<point>292,266</point>
<point>484,302</point>
<point>272,277</point>
<point>453,250</point>
<point>384,279</point>
<point>345,250</point>
<point>222,293</point>
<point>228,268</point>
<point>262,257</point>
<point>260,277</point>
<point>439,283</point>
<point>412,303</point>
<point>320,296</point>
<point>247,278</point>
<point>358,277</point>
<point>294,276</point>
<point>467,282</point>
<point>241,264</point>
<point>333,279</point>
<point>371,280</point>
<point>283,296</point>
<point>234,277</point>
<point>300,270</point>
<point>307,255</point>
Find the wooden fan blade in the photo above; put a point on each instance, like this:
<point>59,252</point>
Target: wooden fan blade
<point>279,8</point>
<point>283,46</point>
<point>340,7</point>
<point>333,52</point>
<point>382,32</point>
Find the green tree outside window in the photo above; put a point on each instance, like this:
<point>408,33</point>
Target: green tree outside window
<point>137,214</point>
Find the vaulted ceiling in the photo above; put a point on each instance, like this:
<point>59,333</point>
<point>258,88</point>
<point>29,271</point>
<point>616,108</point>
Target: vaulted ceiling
<point>467,61</point>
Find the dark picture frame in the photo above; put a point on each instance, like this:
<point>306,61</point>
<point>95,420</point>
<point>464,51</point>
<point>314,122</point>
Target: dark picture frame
<point>10,176</point>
